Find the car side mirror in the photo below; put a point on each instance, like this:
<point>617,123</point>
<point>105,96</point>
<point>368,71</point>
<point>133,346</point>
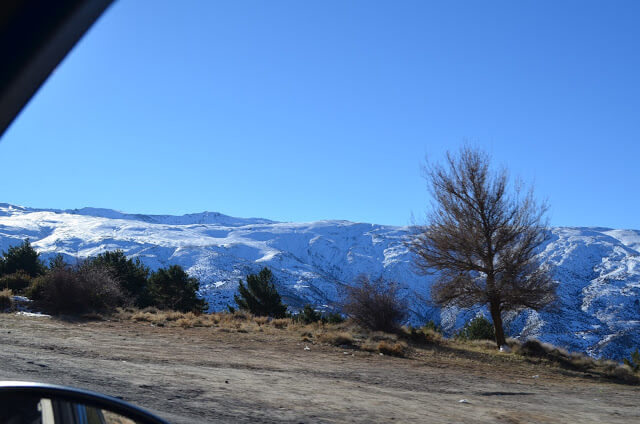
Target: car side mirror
<point>36,403</point>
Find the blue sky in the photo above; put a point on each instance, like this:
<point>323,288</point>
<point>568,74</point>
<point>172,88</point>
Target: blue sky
<point>301,111</point>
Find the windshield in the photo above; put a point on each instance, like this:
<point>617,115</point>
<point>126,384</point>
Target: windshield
<point>332,211</point>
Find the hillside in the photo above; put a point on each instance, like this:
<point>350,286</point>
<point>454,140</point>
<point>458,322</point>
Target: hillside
<point>237,372</point>
<point>598,268</point>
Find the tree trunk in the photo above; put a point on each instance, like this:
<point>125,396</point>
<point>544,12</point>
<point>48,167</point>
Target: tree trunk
<point>496,316</point>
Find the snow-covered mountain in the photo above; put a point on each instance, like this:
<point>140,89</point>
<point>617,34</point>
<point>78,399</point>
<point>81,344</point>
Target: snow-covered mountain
<point>598,268</point>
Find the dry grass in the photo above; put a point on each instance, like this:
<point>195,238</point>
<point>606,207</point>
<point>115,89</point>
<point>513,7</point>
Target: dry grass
<point>536,351</point>
<point>410,342</point>
<point>336,338</point>
<point>393,349</point>
<point>185,323</point>
<point>385,343</point>
<point>281,323</point>
<point>424,336</point>
<point>93,316</point>
<point>483,344</point>
<point>239,321</point>
<point>261,320</point>
<point>369,346</point>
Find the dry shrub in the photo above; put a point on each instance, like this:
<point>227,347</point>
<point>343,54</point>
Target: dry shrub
<point>6,300</point>
<point>150,309</point>
<point>337,338</point>
<point>382,336</point>
<point>158,319</point>
<point>393,349</point>
<point>123,313</point>
<point>205,320</point>
<point>173,315</point>
<point>185,322</point>
<point>580,361</point>
<point>190,319</point>
<point>514,344</point>
<point>142,316</point>
<point>315,327</point>
<point>369,345</point>
<point>609,365</point>
<point>241,315</point>
<point>625,374</point>
<point>167,318</point>
<point>244,328</point>
<point>227,320</point>
<point>577,361</point>
<point>190,316</point>
<point>375,305</point>
<point>534,349</point>
<point>281,323</point>
<point>422,335</point>
<point>431,336</point>
<point>224,318</point>
<point>261,320</point>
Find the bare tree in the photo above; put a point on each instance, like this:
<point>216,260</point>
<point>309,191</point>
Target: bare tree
<point>482,240</point>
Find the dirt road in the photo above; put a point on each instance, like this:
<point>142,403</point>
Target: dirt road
<point>202,375</point>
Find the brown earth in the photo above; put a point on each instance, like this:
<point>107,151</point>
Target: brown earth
<point>200,375</point>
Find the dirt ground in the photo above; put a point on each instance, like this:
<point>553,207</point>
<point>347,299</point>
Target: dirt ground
<point>205,375</point>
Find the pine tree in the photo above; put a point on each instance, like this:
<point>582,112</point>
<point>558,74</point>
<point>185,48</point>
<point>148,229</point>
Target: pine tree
<point>260,296</point>
<point>58,262</point>
<point>22,257</point>
<point>172,288</point>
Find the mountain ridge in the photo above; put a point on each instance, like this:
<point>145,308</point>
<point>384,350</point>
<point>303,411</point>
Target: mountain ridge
<point>598,268</point>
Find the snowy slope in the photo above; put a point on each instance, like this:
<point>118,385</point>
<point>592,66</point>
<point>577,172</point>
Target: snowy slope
<point>598,268</point>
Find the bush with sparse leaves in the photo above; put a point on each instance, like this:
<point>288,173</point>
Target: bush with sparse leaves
<point>131,274</point>
<point>76,290</point>
<point>375,304</point>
